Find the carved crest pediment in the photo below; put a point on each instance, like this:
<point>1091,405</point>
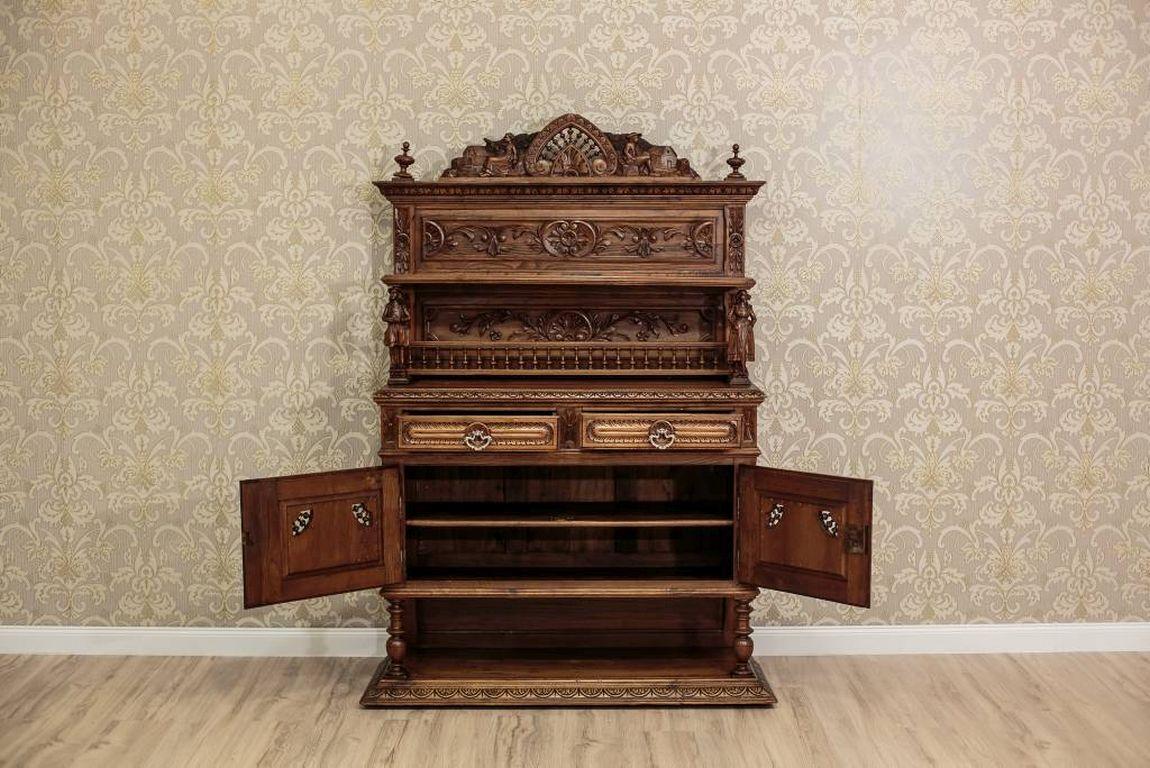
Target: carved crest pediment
<point>570,145</point>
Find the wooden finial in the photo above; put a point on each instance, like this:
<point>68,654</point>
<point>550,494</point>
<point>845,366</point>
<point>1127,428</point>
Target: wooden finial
<point>403,160</point>
<point>736,163</point>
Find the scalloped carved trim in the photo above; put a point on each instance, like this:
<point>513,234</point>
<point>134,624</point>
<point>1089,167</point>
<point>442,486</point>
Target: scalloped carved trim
<point>570,145</point>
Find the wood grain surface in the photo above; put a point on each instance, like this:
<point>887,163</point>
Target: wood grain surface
<point>1041,710</point>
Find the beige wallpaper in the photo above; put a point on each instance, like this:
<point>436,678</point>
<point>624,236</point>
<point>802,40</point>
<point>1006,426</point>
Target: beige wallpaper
<point>951,253</point>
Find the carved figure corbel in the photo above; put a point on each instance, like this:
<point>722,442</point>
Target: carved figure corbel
<point>740,334</point>
<point>397,315</point>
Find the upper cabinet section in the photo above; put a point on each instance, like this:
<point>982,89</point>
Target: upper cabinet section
<point>569,203</point>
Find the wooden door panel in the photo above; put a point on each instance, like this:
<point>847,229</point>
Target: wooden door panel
<point>806,534</point>
<point>320,534</point>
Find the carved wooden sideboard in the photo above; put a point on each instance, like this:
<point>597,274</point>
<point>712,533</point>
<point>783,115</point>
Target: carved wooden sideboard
<point>567,510</point>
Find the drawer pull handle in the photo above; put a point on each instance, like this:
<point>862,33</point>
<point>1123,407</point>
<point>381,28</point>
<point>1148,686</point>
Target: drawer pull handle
<point>829,524</point>
<point>775,516</point>
<point>301,522</point>
<point>477,436</point>
<point>362,514</point>
<point>661,435</point>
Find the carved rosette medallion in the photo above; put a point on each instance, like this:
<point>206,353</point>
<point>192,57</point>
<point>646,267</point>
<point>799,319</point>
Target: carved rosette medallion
<point>569,239</point>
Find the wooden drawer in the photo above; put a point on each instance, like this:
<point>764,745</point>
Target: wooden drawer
<point>660,431</point>
<point>472,432</point>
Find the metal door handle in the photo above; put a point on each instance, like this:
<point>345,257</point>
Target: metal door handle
<point>301,522</point>
<point>829,523</point>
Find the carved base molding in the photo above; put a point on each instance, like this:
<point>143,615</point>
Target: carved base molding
<point>384,691</point>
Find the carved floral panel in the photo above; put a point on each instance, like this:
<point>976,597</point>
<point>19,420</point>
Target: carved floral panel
<point>516,324</point>
<point>567,241</point>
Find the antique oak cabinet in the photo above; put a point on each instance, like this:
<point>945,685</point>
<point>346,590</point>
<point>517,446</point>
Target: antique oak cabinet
<point>567,508</point>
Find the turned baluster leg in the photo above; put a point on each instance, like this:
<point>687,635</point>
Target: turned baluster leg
<point>396,644</point>
<point>744,647</point>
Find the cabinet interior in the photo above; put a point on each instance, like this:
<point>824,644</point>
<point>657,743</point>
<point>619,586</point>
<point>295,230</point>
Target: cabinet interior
<point>631,522</point>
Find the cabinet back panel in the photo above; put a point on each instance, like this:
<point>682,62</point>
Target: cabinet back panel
<point>595,484</point>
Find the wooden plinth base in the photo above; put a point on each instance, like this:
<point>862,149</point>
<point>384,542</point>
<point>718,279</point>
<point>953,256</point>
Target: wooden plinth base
<point>508,679</point>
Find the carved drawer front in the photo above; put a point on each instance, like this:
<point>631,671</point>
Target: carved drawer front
<point>471,432</point>
<point>660,431</point>
<point>574,238</point>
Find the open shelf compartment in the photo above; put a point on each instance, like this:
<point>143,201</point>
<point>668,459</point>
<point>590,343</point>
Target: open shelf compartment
<point>605,523</point>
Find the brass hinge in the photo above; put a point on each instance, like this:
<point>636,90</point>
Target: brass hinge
<point>855,539</point>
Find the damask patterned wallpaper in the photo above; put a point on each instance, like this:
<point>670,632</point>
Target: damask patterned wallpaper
<point>951,252</point>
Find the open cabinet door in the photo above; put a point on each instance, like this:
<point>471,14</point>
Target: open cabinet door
<point>806,534</point>
<point>321,534</point>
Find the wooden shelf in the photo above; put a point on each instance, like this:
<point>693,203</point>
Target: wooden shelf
<point>574,515</point>
<point>600,588</point>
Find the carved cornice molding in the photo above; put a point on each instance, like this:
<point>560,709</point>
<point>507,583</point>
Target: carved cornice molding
<point>549,188</point>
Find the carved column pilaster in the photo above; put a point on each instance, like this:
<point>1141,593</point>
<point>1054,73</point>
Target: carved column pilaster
<point>736,240</point>
<point>569,427</point>
<point>388,435</point>
<point>396,643</point>
<point>744,646</point>
<point>401,239</point>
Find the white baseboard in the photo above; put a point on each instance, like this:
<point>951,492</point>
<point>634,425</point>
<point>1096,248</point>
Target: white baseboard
<point>769,641</point>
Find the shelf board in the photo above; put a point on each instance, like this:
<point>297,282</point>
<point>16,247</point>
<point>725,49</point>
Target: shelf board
<point>573,515</point>
<point>567,521</point>
<point>596,588</point>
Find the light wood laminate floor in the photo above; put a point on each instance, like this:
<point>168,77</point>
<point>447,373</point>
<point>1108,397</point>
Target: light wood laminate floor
<point>1066,710</point>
